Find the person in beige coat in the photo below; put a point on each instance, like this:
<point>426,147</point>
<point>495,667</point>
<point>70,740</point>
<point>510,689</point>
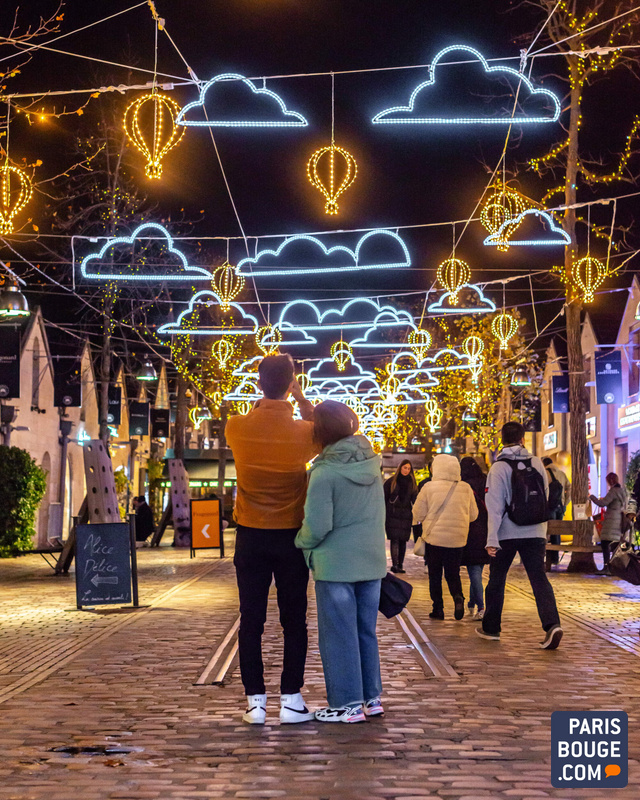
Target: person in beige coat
<point>445,506</point>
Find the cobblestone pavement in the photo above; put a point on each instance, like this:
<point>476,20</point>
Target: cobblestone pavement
<point>127,681</point>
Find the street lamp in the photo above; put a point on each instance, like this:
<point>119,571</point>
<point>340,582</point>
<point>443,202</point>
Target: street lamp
<point>147,372</point>
<point>12,302</point>
<point>520,377</point>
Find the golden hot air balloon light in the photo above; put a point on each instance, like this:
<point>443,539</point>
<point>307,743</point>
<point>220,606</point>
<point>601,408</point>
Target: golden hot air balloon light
<point>304,381</point>
<point>15,192</point>
<point>243,407</point>
<point>332,170</point>
<point>268,339</point>
<point>150,125</point>
<point>453,274</point>
<point>227,284</point>
<point>420,342</point>
<point>432,414</point>
<point>504,327</point>
<point>222,351</point>
<point>342,354</point>
<point>503,207</point>
<point>473,346</point>
<point>588,274</point>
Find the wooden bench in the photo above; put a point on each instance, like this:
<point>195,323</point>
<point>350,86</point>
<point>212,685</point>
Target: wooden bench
<point>47,552</point>
<point>565,528</point>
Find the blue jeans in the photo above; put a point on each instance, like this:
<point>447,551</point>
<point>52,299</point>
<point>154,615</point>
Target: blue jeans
<point>476,596</point>
<point>347,617</point>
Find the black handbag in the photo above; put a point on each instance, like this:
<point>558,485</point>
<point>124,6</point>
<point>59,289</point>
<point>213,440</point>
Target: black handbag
<point>394,595</point>
<point>625,563</point>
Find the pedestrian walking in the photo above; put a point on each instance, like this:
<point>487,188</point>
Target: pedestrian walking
<point>557,501</point>
<point>271,451</point>
<point>474,555</point>
<point>400,492</point>
<point>445,506</point>
<point>343,539</point>
<point>614,523</point>
<point>145,525</point>
<point>516,498</point>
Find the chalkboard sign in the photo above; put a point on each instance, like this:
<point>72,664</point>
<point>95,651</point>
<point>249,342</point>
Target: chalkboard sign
<point>103,564</point>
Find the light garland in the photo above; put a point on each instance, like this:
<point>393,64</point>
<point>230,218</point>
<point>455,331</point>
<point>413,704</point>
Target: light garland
<point>227,284</point>
<point>342,354</point>
<point>405,114</point>
<point>334,189</point>
<point>504,327</point>
<point>252,267</point>
<point>557,236</point>
<point>500,215</point>
<point>12,199</point>
<point>287,119</point>
<point>165,135</point>
<point>453,274</point>
<point>146,231</point>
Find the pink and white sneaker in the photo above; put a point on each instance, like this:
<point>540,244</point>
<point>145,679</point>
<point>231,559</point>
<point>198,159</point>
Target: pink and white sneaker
<point>345,714</point>
<point>373,708</point>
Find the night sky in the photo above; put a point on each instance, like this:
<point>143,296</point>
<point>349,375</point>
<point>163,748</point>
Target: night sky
<point>407,175</point>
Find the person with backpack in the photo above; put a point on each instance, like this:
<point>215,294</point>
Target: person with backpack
<point>474,555</point>
<point>559,489</point>
<point>614,523</point>
<point>516,498</point>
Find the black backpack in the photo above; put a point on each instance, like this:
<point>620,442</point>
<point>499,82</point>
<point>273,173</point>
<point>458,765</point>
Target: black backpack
<point>555,492</point>
<point>528,498</point>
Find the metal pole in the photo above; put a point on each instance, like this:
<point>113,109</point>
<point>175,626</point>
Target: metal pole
<point>134,559</point>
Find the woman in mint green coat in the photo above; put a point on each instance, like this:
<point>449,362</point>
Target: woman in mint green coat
<point>343,539</point>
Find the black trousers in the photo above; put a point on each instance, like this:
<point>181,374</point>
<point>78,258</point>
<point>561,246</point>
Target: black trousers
<point>532,552</point>
<point>260,556</point>
<point>447,559</point>
<point>607,548</point>
<point>397,549</point>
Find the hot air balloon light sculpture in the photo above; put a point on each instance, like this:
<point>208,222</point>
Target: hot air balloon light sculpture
<point>150,125</point>
<point>342,354</point>
<point>15,192</point>
<point>227,284</point>
<point>502,213</point>
<point>453,274</point>
<point>244,407</point>
<point>420,342</point>
<point>473,347</point>
<point>504,327</point>
<point>304,381</point>
<point>588,274</point>
<point>325,158</point>
<point>432,414</point>
<point>222,351</point>
<point>268,339</point>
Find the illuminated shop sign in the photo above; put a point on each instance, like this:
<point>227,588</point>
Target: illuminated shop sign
<point>629,416</point>
<point>550,440</point>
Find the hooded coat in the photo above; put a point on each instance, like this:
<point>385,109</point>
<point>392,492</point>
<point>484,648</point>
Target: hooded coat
<point>452,527</point>
<point>616,503</point>
<point>343,536</point>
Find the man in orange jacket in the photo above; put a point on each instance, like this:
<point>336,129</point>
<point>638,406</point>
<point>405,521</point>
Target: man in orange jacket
<point>271,451</point>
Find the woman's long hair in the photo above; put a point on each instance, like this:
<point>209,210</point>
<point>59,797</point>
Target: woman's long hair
<point>396,475</point>
<point>471,473</point>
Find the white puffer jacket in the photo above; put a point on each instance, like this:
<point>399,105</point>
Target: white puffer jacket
<point>452,527</point>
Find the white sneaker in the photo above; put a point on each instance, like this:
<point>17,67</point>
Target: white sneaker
<point>293,709</point>
<point>470,612</point>
<point>345,714</point>
<point>479,614</point>
<point>426,569</point>
<point>256,712</point>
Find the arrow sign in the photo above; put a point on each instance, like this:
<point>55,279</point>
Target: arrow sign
<point>204,531</point>
<point>98,579</point>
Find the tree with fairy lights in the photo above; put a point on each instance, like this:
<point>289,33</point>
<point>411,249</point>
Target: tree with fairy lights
<point>592,36</point>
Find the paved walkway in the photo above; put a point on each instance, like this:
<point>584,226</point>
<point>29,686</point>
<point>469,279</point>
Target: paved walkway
<point>126,681</point>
